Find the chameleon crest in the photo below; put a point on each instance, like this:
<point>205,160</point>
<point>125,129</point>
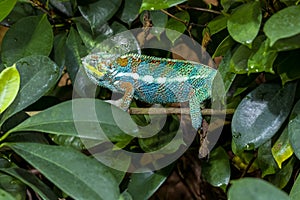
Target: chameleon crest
<point>152,79</point>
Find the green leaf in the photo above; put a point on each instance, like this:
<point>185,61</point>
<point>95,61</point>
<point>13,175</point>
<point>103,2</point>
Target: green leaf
<point>32,181</point>
<point>77,175</point>
<point>29,36</point>
<point>75,50</point>
<point>293,129</point>
<point>287,44</point>
<point>157,4</point>
<point>143,185</point>
<point>287,66</point>
<point>66,6</point>
<point>224,46</point>
<point>158,18</point>
<point>217,24</point>
<point>217,170</point>
<point>92,124</point>
<point>5,7</point>
<point>260,114</point>
<point>295,191</point>
<point>9,86</point>
<point>59,52</point>
<point>281,178</point>
<point>130,11</point>
<point>226,4</point>
<point>266,160</point>
<point>283,24</point>
<point>262,60</point>
<point>99,12</point>
<point>161,140</point>
<point>175,28</point>
<point>38,75</point>
<point>12,185</point>
<point>5,195</point>
<point>282,149</point>
<point>227,76</point>
<point>254,188</point>
<point>244,23</point>
<point>239,60</point>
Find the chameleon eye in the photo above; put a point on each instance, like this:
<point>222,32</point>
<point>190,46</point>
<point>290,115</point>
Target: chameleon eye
<point>122,61</point>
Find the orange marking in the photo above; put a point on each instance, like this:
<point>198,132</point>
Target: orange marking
<point>123,62</point>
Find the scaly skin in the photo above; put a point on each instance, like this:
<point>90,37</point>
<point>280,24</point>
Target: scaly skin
<point>152,79</point>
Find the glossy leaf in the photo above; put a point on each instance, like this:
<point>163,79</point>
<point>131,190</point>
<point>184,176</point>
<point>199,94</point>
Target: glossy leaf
<point>99,12</point>
<point>260,114</point>
<point>244,23</point>
<point>283,24</point>
<point>143,185</point>
<point>66,7</point>
<point>9,86</point>
<point>295,191</point>
<point>29,36</point>
<point>217,170</point>
<point>282,149</point>
<point>265,159</point>
<point>92,124</point>
<point>38,75</point>
<point>175,28</point>
<point>262,60</point>
<point>293,129</point>
<point>76,174</point>
<point>254,188</point>
<point>32,181</point>
<point>157,4</point>
<point>5,7</point>
<point>130,11</point>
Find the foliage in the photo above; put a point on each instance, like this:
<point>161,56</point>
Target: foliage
<point>258,41</point>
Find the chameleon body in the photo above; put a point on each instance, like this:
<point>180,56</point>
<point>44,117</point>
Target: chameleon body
<point>152,79</point>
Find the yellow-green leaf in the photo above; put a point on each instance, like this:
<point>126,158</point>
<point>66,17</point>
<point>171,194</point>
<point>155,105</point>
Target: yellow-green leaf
<point>282,148</point>
<point>5,8</point>
<point>9,86</point>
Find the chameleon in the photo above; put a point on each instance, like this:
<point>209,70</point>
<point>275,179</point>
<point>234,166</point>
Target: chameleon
<point>152,79</point>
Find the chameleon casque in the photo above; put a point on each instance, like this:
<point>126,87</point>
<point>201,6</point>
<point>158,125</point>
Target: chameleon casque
<point>152,79</point>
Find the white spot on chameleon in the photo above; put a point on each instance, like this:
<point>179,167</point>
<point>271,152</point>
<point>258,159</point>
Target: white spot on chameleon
<point>132,75</point>
<point>148,79</point>
<point>161,80</point>
<point>179,79</point>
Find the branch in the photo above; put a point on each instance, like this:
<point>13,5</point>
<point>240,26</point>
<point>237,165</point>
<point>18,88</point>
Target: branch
<point>158,111</point>
<point>183,111</point>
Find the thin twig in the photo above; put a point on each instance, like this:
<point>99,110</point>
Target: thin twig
<point>173,16</point>
<point>183,111</point>
<point>200,9</point>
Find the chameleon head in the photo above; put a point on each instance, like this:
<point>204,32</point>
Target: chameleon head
<point>98,64</point>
